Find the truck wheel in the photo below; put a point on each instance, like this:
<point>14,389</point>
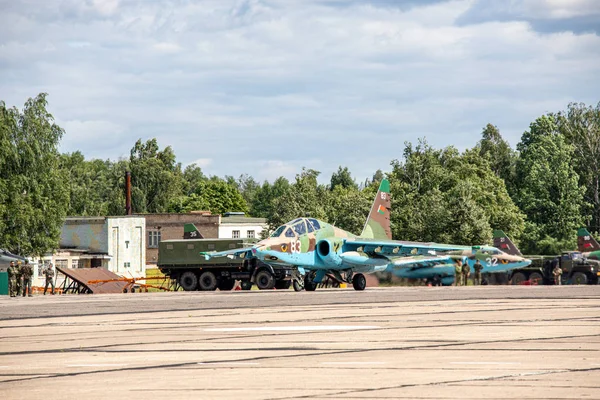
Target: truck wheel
<point>265,280</point>
<point>208,281</point>
<point>246,285</point>
<point>579,278</point>
<point>536,278</point>
<point>226,284</point>
<point>188,281</point>
<point>359,282</point>
<point>518,278</point>
<point>283,284</point>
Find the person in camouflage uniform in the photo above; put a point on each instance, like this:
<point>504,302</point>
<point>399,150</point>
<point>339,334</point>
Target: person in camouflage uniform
<point>477,277</point>
<point>27,272</point>
<point>466,270</point>
<point>18,278</point>
<point>557,272</point>
<point>49,273</point>
<point>458,273</point>
<point>12,279</point>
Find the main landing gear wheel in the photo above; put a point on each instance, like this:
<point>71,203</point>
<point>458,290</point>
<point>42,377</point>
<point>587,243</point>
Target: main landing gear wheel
<point>359,282</point>
<point>246,285</point>
<point>309,285</point>
<point>298,285</point>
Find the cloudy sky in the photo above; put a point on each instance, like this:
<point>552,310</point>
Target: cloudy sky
<point>266,87</point>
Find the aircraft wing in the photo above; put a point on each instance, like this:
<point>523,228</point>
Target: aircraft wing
<point>422,262</point>
<point>233,253</point>
<point>391,248</point>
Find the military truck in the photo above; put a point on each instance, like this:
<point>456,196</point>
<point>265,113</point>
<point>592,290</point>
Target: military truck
<point>181,261</point>
<point>577,270</point>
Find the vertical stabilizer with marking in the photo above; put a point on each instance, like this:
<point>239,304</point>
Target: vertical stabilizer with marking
<point>586,242</point>
<point>191,232</point>
<point>502,242</point>
<point>378,223</point>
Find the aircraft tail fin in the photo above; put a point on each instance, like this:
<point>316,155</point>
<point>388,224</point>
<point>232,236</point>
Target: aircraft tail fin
<point>502,242</point>
<point>586,242</point>
<point>191,232</point>
<point>378,223</point>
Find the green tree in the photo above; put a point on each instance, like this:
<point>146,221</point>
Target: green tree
<point>581,127</point>
<point>445,196</point>
<point>342,178</point>
<point>347,208</point>
<point>262,202</point>
<point>547,184</point>
<point>33,191</point>
<point>303,198</point>
<point>192,179</point>
<point>156,178</point>
<point>501,156</point>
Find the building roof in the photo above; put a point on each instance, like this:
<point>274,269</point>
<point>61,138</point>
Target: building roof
<point>243,220</point>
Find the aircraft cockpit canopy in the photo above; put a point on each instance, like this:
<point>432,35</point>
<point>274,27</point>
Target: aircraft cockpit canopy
<point>297,227</point>
<point>491,251</point>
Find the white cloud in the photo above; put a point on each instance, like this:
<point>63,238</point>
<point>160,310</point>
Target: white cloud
<point>202,162</point>
<point>269,87</point>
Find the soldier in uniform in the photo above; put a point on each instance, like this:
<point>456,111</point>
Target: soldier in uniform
<point>477,278</point>
<point>19,278</point>
<point>49,273</point>
<point>466,270</point>
<point>12,279</point>
<point>557,272</point>
<point>27,272</point>
<point>458,273</point>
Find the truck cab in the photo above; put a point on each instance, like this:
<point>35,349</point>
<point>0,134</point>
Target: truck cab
<point>576,269</point>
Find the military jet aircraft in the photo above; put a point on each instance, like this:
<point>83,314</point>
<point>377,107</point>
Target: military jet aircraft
<point>317,249</point>
<point>587,245</point>
<point>6,257</point>
<point>440,269</point>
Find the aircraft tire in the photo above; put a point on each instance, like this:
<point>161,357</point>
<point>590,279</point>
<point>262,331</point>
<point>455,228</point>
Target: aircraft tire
<point>246,285</point>
<point>188,281</point>
<point>298,287</point>
<point>359,282</point>
<point>207,281</point>
<point>579,278</point>
<point>309,285</point>
<point>226,284</point>
<point>265,280</point>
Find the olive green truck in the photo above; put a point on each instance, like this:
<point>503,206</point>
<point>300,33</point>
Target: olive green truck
<point>182,262</point>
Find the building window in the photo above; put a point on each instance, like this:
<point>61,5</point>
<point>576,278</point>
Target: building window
<point>250,234</point>
<point>153,239</point>
<point>127,265</point>
<point>74,263</point>
<point>235,234</point>
<point>62,263</point>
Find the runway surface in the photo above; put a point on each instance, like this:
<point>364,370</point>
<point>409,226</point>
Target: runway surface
<point>494,342</point>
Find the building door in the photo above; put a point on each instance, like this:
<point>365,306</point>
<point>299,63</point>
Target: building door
<point>96,262</point>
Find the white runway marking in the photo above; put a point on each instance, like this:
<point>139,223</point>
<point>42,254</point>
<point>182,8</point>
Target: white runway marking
<point>228,363</point>
<point>95,365</point>
<point>292,328</point>
<point>485,363</point>
<point>355,363</point>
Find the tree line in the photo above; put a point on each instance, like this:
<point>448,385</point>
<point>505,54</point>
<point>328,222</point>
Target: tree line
<point>539,192</point>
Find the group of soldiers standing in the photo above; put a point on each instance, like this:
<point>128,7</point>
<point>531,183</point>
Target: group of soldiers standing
<point>20,275</point>
<point>462,272</point>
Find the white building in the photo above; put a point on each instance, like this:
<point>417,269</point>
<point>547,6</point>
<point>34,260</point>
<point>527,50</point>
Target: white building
<point>236,225</point>
<point>115,243</point>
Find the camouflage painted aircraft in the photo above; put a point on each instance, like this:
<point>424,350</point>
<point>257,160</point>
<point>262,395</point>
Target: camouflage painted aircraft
<point>587,245</point>
<point>440,269</point>
<point>318,249</point>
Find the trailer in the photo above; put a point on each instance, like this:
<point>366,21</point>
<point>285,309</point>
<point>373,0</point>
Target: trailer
<point>182,262</point>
